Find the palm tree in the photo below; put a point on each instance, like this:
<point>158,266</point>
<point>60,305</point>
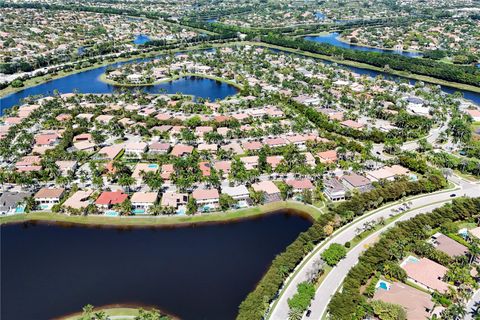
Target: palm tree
<point>295,314</point>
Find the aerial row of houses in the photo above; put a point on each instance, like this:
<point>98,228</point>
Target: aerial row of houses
<point>426,274</point>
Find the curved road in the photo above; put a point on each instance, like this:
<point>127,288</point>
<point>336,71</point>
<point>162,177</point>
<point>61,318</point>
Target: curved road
<point>334,279</point>
<point>473,304</point>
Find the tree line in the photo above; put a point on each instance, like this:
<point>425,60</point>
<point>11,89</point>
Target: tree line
<point>383,257</point>
<point>449,72</point>
<point>256,303</point>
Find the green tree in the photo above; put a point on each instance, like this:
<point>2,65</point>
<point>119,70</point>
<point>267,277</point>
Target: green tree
<point>334,254</point>
<point>192,207</point>
<point>226,201</point>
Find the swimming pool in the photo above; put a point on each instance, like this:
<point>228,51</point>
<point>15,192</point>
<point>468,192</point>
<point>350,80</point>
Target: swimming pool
<point>381,284</point>
<point>20,209</point>
<point>112,213</point>
<point>153,166</point>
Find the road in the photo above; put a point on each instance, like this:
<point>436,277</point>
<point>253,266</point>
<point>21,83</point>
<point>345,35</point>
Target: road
<point>334,278</point>
<point>473,304</point>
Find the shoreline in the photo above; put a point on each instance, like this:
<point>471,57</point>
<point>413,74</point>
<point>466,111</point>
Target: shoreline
<point>103,78</point>
<point>119,311</point>
<point>46,78</point>
<point>174,221</point>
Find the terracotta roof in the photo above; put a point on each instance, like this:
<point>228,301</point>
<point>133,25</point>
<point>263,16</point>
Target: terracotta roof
<point>49,193</point>
<point>111,197</point>
<point>414,301</point>
<point>144,197</point>
<point>300,184</point>
<point>181,149</point>
<point>205,194</point>
<point>426,272</point>
<point>266,186</point>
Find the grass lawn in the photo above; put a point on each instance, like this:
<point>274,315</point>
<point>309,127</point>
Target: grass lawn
<point>309,211</point>
<point>120,313</point>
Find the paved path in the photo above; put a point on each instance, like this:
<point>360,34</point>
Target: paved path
<point>473,304</point>
<point>322,297</point>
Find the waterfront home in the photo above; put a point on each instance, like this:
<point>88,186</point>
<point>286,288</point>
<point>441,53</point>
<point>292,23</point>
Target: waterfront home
<point>300,185</point>
<point>417,304</point>
<point>272,193</point>
<point>135,149</point>
<point>334,189</point>
<point>206,198</point>
<point>354,181</point>
<point>143,201</point>
<point>10,202</point>
<point>327,157</point>
<point>108,199</point>
<point>174,199</point>
<point>447,245</point>
<point>426,273</point>
<point>45,198</point>
<point>239,193</point>
<point>79,200</point>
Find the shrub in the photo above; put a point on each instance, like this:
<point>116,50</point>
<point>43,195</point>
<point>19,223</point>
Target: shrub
<point>334,254</point>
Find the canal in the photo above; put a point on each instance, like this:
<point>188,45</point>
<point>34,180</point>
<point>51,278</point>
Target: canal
<point>196,272</point>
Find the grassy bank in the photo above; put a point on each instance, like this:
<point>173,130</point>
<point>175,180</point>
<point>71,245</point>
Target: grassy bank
<point>309,211</point>
<point>120,313</point>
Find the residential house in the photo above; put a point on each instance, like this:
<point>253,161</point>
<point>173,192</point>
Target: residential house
<point>174,199</point>
<point>239,193</point>
<point>448,246</point>
<point>334,189</point>
<point>354,181</point>
<point>142,202</point>
<point>426,273</point>
<point>272,193</point>
<point>327,157</point>
<point>300,185</point>
<point>208,198</point>
<point>417,304</point>
<point>79,200</point>
<point>45,198</point>
<point>135,149</point>
<point>108,199</point>
<point>10,202</point>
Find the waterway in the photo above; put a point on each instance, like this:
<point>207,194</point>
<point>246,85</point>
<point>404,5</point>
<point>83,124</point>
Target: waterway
<point>141,39</point>
<point>333,39</point>
<point>89,82</point>
<point>197,272</point>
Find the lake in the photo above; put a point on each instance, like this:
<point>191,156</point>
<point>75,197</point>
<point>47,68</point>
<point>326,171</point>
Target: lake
<point>197,272</point>
<point>89,82</point>
<point>333,39</point>
<point>141,39</point>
